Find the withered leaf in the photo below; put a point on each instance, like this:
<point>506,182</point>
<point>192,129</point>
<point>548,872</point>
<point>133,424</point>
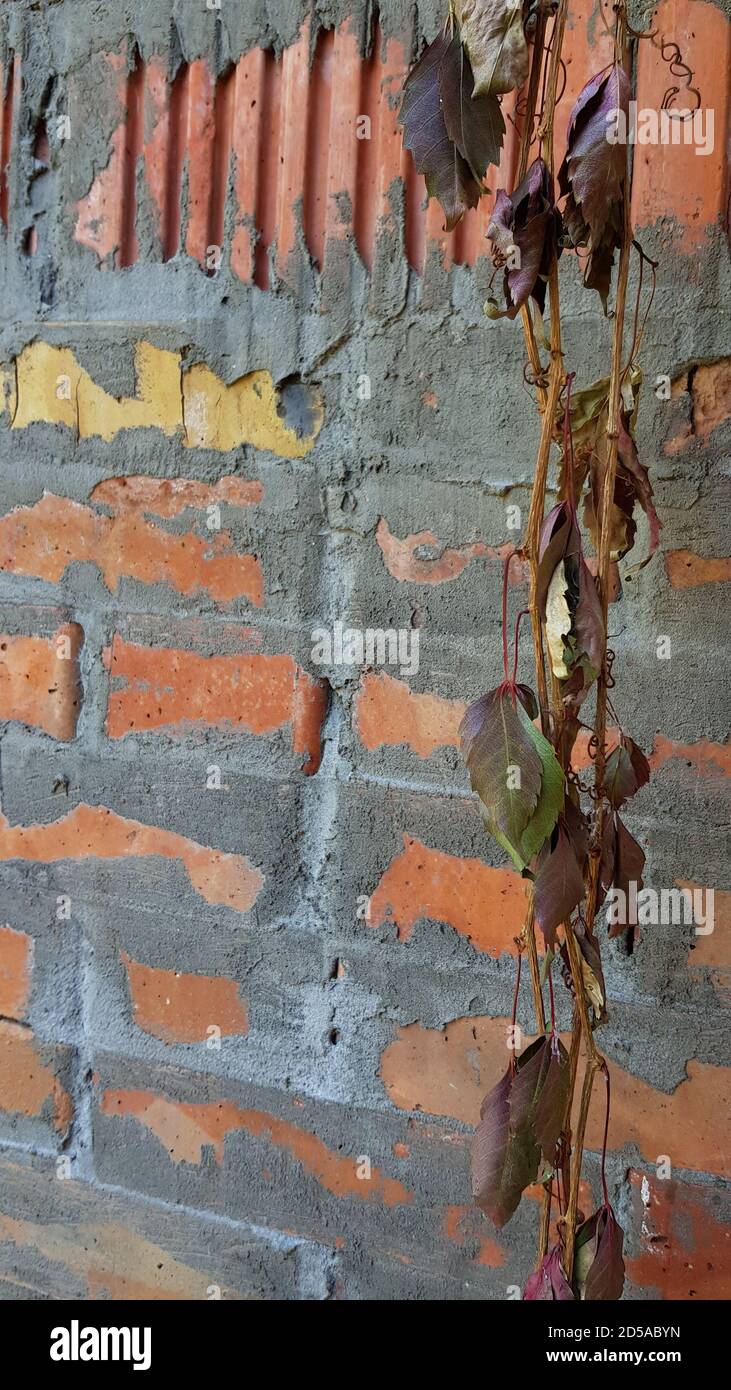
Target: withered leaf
<point>598,1262</point>
<point>549,1283</point>
<point>622,527</point>
<point>558,621</point>
<point>629,863</point>
<point>559,538</point>
<point>627,769</point>
<point>593,173</point>
<point>474,124</point>
<point>608,854</point>
<point>568,600</point>
<point>588,621</point>
<point>550,1111</point>
<point>527,700</point>
<point>628,461</point>
<point>594,168</point>
<point>591,967</point>
<point>492,32</point>
<point>559,885</point>
<point>523,228</point>
<point>447,173</point>
<point>503,1163</point>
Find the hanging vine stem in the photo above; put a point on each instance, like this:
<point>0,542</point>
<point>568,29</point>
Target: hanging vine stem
<point>545,826</point>
<point>594,1062</point>
<point>548,400</point>
<point>529,116</point>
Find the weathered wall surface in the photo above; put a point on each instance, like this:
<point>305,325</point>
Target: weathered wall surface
<point>202,828</point>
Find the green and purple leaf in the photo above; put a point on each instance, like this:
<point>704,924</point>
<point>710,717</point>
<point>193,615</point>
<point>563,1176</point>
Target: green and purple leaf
<point>598,1261</point>
<point>502,747</point>
<point>495,740</point>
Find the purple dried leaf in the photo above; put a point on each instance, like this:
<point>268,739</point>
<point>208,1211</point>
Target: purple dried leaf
<point>523,228</point>
<point>549,1283</point>
<point>559,885</point>
<point>447,173</point>
<point>503,1164</point>
<point>559,538</point>
<point>474,124</point>
<point>627,769</point>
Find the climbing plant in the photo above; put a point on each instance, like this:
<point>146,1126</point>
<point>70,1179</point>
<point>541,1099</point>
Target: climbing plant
<point>564,832</point>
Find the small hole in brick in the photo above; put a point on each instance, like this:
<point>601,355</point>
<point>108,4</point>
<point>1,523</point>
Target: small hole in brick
<point>333,1036</point>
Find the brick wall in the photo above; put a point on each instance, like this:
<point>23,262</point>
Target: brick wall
<point>255,949</point>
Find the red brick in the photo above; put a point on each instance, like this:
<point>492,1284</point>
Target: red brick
<point>169,497</point>
<point>448,1071</point>
<point>185,1130</point>
<point>687,571</point>
<point>387,711</point>
<point>44,539</point>
<point>707,392</point>
<point>672,180</point>
<point>403,564</point>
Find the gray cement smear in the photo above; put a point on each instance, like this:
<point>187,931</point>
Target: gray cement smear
<point>312,1054</point>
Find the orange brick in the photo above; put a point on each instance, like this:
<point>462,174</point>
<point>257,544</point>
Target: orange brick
<point>39,680</point>
<point>463,1224</point>
<point>176,1007</point>
<point>403,564</point>
<point>173,689</point>
<point>16,956</point>
<point>448,1071</point>
<point>386,711</point>
<point>690,1125</point>
<point>672,180</point>
<point>686,570</point>
<point>43,540</point>
<point>185,1130</point>
<point>169,497</point>
<point>28,1085</point>
<point>486,905</point>
<point>94,832</point>
<point>684,1248</point>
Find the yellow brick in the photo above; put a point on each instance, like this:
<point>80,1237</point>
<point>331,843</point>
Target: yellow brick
<point>53,387</point>
<point>221,417</point>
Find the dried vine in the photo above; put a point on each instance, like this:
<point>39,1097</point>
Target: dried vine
<point>564,836</point>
